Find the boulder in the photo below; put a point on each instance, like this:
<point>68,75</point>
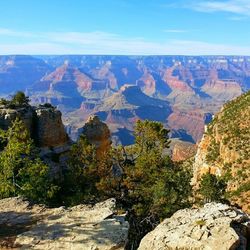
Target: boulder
<point>26,226</point>
<point>215,226</point>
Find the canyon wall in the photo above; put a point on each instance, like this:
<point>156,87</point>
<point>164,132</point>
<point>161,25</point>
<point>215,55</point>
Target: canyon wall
<point>225,149</point>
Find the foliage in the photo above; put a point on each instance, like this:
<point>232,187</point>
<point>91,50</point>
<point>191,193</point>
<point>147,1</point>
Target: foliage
<point>17,100</point>
<point>201,222</point>
<point>81,176</point>
<point>148,184</point>
<point>213,151</point>
<point>34,182</point>
<point>144,181</point>
<point>4,102</point>
<point>155,185</point>
<point>142,178</point>
<point>150,136</point>
<point>21,172</point>
<point>212,188</point>
<point>229,136</point>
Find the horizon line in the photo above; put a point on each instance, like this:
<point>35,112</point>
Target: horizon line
<point>133,55</point>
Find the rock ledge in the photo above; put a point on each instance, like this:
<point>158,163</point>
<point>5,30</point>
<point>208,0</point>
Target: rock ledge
<point>215,226</point>
<point>23,226</point>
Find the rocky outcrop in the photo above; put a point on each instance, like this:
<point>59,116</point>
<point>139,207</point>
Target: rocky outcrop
<point>43,122</point>
<point>216,226</point>
<point>97,133</point>
<point>50,131</point>
<point>26,226</point>
<point>8,115</point>
<point>222,89</point>
<point>225,149</point>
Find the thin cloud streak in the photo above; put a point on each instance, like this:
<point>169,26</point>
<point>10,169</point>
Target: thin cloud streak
<point>240,7</point>
<point>107,43</point>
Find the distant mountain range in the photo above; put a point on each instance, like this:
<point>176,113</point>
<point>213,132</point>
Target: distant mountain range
<point>183,92</point>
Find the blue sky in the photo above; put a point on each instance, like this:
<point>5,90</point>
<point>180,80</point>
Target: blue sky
<point>142,27</point>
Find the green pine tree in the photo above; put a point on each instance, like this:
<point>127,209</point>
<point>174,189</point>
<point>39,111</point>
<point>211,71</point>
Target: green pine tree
<point>21,170</point>
<point>212,188</point>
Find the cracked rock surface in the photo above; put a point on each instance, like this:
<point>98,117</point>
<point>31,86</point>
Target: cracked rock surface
<point>215,226</point>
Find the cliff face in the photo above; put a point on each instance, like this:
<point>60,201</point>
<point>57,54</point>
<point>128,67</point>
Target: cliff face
<point>225,148</point>
<point>50,131</point>
<point>44,123</point>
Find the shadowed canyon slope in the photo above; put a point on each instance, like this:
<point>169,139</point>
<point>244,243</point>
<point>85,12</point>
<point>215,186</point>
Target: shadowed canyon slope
<point>183,92</point>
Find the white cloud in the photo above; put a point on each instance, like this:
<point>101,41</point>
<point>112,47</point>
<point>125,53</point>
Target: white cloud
<point>240,7</point>
<point>108,43</point>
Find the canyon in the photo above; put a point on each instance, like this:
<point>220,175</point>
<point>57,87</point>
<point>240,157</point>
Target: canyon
<point>182,92</point>
<point>223,151</point>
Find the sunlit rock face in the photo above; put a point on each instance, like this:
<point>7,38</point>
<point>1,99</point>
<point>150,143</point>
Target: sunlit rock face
<point>50,131</point>
<point>43,123</point>
<point>225,149</point>
<point>97,133</point>
<point>215,226</point>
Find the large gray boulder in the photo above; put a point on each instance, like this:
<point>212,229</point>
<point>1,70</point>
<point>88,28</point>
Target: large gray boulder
<point>214,227</point>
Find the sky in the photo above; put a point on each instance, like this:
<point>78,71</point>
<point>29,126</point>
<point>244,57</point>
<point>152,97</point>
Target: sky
<point>125,27</point>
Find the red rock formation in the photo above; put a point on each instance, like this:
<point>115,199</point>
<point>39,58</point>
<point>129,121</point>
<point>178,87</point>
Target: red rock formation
<point>84,82</point>
<point>56,75</point>
<point>174,83</point>
<point>147,83</point>
<point>190,121</point>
